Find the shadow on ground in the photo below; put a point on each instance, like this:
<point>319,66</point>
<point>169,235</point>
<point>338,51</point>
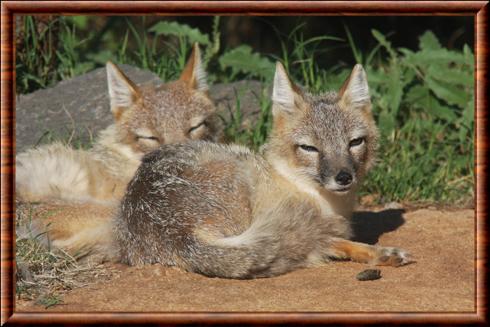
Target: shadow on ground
<point>368,226</point>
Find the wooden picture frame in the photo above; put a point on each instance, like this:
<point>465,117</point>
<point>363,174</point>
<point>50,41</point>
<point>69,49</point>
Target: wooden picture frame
<point>478,9</point>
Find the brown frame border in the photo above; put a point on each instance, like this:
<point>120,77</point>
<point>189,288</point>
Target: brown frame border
<point>479,9</point>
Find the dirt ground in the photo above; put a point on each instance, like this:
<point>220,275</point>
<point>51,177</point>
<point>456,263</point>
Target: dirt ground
<point>442,279</point>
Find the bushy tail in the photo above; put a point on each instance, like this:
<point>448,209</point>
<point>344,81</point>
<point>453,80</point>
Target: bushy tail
<point>280,240</point>
<point>53,171</point>
<point>83,230</point>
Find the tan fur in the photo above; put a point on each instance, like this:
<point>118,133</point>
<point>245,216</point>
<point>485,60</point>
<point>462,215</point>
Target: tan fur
<point>222,210</point>
<point>144,118</point>
<point>365,253</point>
<point>78,229</point>
<point>228,212</point>
<point>58,172</point>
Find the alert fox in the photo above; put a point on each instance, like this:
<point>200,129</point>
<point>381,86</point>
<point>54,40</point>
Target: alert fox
<point>225,211</point>
<point>144,118</point>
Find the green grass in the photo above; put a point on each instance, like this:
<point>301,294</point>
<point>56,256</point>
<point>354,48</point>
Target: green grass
<point>47,53</point>
<point>422,99</point>
<point>45,274</point>
<point>49,300</point>
<point>255,135</point>
<point>71,138</point>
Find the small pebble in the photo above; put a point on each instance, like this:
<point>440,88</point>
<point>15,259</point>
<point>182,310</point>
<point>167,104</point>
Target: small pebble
<point>369,274</point>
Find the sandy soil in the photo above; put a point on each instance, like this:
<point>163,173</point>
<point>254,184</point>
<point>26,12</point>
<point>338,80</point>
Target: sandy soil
<point>442,279</point>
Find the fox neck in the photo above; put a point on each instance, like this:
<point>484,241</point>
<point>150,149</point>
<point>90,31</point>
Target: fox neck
<point>123,156</point>
<point>328,202</point>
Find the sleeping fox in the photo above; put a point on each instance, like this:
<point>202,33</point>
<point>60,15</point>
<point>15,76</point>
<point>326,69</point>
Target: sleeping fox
<point>80,189</point>
<point>144,118</point>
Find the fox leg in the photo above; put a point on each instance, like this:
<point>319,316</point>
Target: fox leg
<point>365,253</point>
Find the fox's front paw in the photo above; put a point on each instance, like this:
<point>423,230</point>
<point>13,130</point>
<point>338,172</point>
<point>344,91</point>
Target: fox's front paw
<point>388,256</point>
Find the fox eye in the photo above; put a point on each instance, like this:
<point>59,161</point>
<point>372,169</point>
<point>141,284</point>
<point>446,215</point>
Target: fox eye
<point>356,142</point>
<point>193,128</point>
<point>308,148</point>
<point>153,138</point>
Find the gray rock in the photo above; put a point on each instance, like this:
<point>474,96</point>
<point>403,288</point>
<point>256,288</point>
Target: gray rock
<point>77,109</point>
<point>248,92</point>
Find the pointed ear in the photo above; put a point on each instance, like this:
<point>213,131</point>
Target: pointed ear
<point>122,92</point>
<point>284,92</point>
<point>354,94</point>
<point>194,74</point>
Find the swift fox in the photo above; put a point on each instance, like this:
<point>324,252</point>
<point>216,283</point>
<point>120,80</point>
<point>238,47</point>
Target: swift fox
<point>144,118</point>
<point>224,211</point>
<point>80,189</point>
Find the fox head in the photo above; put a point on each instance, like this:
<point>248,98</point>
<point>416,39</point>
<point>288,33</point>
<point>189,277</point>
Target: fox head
<point>327,140</point>
<point>174,112</point>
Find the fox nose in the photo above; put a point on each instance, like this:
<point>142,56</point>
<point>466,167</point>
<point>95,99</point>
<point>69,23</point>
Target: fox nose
<point>343,178</point>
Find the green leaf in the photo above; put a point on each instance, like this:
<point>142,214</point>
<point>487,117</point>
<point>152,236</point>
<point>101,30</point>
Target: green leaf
<point>101,57</point>
<point>355,50</point>
<point>83,67</point>
<point>416,93</point>
<point>80,21</point>
<point>450,75</point>
<point>467,52</point>
<point>408,75</point>
<point>469,57</point>
<point>447,92</point>
<point>180,30</point>
<point>395,88</point>
<point>375,76</point>
<point>425,58</point>
<point>384,42</point>
<point>242,60</point>
<point>421,98</point>
<point>469,111</point>
<point>215,45</point>
<point>428,41</point>
<point>440,111</point>
<point>386,123</point>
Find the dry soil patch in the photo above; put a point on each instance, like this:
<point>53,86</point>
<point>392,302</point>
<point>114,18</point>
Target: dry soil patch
<point>442,279</point>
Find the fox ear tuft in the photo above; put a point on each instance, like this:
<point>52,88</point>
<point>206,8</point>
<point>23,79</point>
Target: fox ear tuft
<point>122,92</point>
<point>354,94</point>
<point>284,92</point>
<point>194,74</point>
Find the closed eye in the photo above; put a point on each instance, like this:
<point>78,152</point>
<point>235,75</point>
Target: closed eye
<point>153,138</point>
<point>196,127</point>
<point>356,141</point>
<point>308,148</point>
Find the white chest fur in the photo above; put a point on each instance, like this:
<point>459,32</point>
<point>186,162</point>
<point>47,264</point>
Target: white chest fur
<point>328,202</point>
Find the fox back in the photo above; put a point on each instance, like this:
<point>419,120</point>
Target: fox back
<point>226,211</point>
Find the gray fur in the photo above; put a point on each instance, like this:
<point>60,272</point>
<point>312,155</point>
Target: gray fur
<point>225,211</point>
<point>163,211</point>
